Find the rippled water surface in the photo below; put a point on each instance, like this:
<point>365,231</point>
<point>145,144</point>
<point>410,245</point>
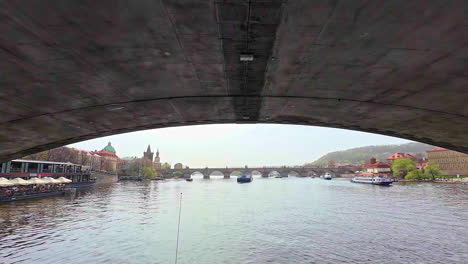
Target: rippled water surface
<point>288,220</point>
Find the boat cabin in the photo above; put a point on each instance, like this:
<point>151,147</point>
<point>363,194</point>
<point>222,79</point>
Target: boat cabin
<point>27,169</point>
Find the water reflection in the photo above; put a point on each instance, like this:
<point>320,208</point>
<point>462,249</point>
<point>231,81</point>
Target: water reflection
<point>288,220</point>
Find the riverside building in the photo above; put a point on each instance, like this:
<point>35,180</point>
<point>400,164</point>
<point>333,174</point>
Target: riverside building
<point>449,161</point>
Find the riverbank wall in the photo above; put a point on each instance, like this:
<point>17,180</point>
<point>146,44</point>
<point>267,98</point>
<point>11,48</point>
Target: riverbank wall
<point>440,180</point>
<point>103,177</point>
<point>452,180</point>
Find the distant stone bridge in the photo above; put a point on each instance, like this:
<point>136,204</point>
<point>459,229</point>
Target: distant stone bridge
<point>264,171</point>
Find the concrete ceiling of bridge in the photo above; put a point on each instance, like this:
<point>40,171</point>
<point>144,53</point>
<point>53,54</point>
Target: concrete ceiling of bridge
<point>76,70</point>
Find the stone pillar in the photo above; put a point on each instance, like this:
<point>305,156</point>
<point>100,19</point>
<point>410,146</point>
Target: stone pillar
<point>227,175</point>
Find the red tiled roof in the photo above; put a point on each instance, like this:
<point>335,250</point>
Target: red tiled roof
<point>378,164</point>
<point>400,155</point>
<point>105,153</point>
<point>437,149</point>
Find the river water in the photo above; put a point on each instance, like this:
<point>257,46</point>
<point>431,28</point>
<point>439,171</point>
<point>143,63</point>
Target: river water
<point>275,220</point>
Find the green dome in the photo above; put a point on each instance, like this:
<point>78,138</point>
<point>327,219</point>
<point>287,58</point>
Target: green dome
<point>109,148</point>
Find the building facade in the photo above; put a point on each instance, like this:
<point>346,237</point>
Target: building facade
<point>108,158</point>
<point>375,166</point>
<point>449,161</point>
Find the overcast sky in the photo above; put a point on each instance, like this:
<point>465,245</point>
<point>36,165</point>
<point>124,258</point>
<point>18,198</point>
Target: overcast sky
<point>238,145</point>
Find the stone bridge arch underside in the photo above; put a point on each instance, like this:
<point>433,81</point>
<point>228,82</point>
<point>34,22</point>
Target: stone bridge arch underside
<point>73,70</point>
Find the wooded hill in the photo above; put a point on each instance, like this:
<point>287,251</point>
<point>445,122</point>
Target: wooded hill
<point>360,155</point>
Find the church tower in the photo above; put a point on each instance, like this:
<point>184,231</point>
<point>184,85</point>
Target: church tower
<point>157,159</point>
<point>148,154</point>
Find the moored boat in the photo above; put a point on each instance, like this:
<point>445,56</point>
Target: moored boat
<point>189,179</point>
<point>327,176</point>
<point>244,178</point>
<point>79,175</point>
<point>19,189</point>
<point>81,184</point>
<point>376,179</point>
<point>32,196</point>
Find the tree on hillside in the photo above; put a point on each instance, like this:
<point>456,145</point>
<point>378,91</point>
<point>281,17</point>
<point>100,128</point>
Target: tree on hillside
<point>43,155</point>
<point>148,172</point>
<point>401,167</point>
<point>85,159</point>
<point>416,175</point>
<point>130,167</point>
<point>432,170</point>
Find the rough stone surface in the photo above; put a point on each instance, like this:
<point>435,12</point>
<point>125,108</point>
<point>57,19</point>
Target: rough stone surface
<point>76,70</point>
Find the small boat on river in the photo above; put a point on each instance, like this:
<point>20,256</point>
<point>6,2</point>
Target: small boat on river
<point>327,176</point>
<point>244,178</point>
<point>189,179</point>
<point>375,179</point>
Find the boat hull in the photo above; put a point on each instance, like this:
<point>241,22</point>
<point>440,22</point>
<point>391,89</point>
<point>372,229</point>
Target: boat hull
<point>328,179</point>
<point>373,183</point>
<point>244,179</point>
<point>32,196</point>
<point>80,184</point>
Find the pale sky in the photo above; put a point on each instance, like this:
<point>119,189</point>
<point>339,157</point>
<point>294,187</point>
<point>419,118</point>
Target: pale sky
<point>238,145</point>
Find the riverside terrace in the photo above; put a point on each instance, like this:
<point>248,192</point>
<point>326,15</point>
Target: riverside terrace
<point>77,70</point>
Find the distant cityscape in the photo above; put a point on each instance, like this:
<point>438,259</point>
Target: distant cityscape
<point>450,162</point>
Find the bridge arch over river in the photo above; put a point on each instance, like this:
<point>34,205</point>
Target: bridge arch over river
<point>264,171</point>
<point>74,70</point>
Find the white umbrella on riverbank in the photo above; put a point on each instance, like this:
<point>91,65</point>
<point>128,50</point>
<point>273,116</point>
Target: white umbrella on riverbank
<point>19,181</point>
<point>4,182</point>
<point>51,180</point>
<point>64,180</point>
<point>46,180</point>
<point>36,181</point>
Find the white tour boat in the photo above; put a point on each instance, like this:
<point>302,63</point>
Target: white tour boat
<point>375,179</point>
